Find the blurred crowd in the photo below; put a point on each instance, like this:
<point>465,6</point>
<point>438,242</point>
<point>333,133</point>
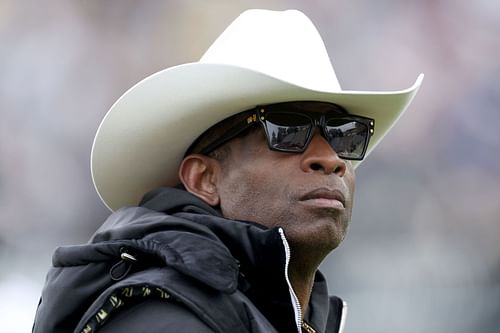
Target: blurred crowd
<point>423,250</point>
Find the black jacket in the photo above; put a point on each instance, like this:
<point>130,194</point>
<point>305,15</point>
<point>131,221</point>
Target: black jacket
<point>174,264</point>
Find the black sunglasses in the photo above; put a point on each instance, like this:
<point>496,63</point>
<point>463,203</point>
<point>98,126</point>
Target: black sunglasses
<point>290,126</point>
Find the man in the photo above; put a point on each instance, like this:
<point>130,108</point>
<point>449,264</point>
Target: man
<point>248,156</point>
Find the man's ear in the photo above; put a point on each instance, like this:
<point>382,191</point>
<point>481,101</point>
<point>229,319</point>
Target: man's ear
<point>199,173</point>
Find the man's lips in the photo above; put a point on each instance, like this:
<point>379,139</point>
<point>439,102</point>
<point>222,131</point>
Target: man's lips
<point>326,198</point>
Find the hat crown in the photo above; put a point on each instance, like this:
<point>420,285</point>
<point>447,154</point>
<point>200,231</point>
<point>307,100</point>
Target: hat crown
<point>285,45</point>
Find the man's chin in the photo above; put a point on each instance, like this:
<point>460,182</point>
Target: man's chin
<point>320,238</point>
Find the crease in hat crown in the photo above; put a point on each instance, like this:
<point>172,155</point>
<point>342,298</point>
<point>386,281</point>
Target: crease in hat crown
<point>285,45</point>
<point>263,57</point>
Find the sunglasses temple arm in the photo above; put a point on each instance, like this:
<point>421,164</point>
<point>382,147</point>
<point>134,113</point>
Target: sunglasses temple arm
<point>230,134</point>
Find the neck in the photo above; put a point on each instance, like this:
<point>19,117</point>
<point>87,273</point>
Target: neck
<point>301,274</point>
<point>302,285</point>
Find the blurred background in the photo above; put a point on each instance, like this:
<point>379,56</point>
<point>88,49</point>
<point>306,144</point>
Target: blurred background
<point>423,251</point>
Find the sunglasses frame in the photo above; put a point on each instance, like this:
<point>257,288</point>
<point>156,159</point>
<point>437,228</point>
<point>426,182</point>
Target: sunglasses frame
<point>258,115</point>
<point>318,119</point>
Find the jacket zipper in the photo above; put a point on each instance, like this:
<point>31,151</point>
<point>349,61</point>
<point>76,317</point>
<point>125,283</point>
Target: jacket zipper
<point>295,301</point>
<point>297,309</point>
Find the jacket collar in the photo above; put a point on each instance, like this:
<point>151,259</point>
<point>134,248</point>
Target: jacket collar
<point>258,250</point>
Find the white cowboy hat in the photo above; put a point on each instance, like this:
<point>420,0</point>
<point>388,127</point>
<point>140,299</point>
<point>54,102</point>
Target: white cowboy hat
<point>263,57</point>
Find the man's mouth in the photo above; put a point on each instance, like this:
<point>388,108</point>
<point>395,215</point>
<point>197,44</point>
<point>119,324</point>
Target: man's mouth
<point>324,198</point>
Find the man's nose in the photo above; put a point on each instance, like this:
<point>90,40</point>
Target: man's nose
<point>320,156</point>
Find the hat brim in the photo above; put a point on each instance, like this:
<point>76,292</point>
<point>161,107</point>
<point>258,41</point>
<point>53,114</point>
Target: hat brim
<point>143,137</point>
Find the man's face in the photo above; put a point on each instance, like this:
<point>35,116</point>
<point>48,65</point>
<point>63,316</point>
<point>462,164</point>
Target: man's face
<point>310,194</point>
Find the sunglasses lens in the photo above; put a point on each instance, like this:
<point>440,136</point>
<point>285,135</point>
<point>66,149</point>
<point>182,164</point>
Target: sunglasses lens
<point>291,132</point>
<point>347,137</point>
<point>287,131</point>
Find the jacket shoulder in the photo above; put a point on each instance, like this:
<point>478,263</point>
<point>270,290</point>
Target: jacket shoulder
<point>155,316</point>
<point>165,289</point>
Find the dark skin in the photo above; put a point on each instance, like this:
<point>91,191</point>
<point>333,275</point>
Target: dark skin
<point>309,195</point>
